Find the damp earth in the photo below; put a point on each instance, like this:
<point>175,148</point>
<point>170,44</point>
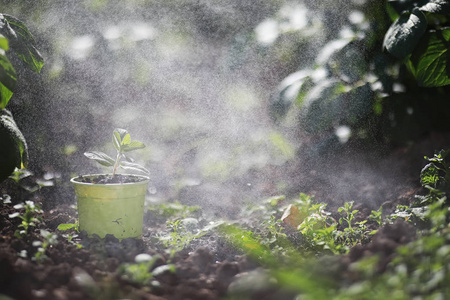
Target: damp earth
<point>296,148</point>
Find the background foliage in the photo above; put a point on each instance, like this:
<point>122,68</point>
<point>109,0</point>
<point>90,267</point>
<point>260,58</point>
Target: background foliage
<point>201,82</point>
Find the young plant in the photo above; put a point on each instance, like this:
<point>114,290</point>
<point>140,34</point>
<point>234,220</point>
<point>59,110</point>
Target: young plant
<point>180,236</point>
<point>435,177</point>
<point>123,144</point>
<point>30,218</point>
<point>48,240</point>
<point>352,234</point>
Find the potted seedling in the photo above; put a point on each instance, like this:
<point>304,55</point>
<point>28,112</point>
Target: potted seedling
<point>113,203</point>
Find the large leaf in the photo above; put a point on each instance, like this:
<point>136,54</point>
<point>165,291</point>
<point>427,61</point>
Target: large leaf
<point>436,6</point>
<point>348,63</point>
<point>330,49</point>
<point>8,124</point>
<point>359,103</point>
<point>430,61</point>
<point>287,92</point>
<point>100,157</point>
<point>7,80</point>
<point>323,106</point>
<point>22,42</point>
<point>405,33</point>
<point>133,167</point>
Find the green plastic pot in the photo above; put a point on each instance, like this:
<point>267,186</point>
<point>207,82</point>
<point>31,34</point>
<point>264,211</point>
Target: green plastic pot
<point>116,209</point>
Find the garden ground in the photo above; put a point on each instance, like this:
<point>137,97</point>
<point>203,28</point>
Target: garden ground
<point>68,265</point>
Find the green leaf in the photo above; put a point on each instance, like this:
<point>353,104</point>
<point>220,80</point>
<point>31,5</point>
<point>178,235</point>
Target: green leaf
<point>430,61</point>
<point>133,145</point>
<point>100,157</point>
<point>5,95</point>
<point>436,6</point>
<point>391,11</point>
<point>23,44</point>
<point>287,92</point>
<point>323,106</point>
<point>405,33</point>
<point>8,80</point>
<point>118,136</point>
<point>8,124</point>
<point>349,63</point>
<point>4,44</point>
<point>64,227</point>
<point>133,167</point>
<point>399,6</point>
<point>126,140</point>
<point>429,175</point>
<point>359,103</point>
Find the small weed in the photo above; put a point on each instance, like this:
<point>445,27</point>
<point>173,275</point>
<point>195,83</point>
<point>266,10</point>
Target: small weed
<point>70,236</point>
<point>377,216</point>
<point>180,236</point>
<point>19,174</point>
<point>139,272</point>
<point>349,214</point>
<point>435,177</point>
<point>352,234</point>
<point>274,230</point>
<point>30,217</point>
<point>48,240</point>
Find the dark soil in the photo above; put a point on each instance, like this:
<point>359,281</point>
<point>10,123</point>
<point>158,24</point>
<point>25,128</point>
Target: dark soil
<point>208,269</point>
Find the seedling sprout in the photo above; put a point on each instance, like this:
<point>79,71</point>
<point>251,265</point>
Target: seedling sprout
<point>123,144</point>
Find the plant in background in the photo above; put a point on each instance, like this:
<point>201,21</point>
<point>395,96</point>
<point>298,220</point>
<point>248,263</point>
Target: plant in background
<point>180,235</point>
<point>123,144</point>
<point>359,79</point>
<point>14,35</point>
<point>420,37</point>
<point>435,177</point>
<point>353,233</point>
<point>174,210</point>
<point>377,216</point>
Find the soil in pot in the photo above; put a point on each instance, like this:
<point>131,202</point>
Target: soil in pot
<point>109,179</point>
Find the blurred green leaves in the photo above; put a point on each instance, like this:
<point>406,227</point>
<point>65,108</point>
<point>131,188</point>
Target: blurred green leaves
<point>366,64</point>
<point>23,43</point>
<point>15,35</point>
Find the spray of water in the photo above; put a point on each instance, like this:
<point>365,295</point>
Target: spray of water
<point>192,81</point>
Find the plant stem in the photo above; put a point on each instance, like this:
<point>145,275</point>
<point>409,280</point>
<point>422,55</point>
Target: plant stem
<point>116,164</point>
